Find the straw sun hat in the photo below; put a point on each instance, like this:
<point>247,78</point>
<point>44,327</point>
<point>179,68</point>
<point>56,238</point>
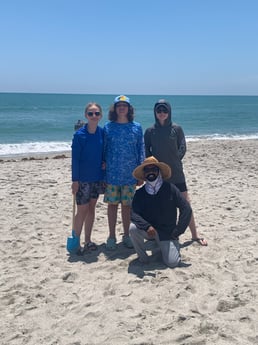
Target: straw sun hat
<point>165,170</point>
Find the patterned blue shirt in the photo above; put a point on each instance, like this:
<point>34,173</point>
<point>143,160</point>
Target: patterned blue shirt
<point>123,151</point>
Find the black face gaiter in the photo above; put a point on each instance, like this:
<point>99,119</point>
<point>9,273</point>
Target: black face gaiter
<point>151,177</point>
<point>151,173</point>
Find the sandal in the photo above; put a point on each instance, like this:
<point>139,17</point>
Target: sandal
<point>127,242</point>
<point>80,251</point>
<point>90,246</point>
<point>111,244</point>
<point>200,240</point>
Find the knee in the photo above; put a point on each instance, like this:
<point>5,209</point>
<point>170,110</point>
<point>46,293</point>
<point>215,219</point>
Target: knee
<point>173,260</point>
<point>173,263</point>
<point>132,228</point>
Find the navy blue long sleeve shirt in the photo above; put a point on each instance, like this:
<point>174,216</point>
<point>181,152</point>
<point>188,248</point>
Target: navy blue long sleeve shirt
<point>167,211</point>
<point>87,155</point>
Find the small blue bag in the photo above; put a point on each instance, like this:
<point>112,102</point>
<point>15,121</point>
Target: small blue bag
<point>73,243</point>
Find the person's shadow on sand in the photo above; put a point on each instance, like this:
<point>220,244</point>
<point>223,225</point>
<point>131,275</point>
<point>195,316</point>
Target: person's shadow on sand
<point>155,262</point>
<point>135,266</point>
<point>121,252</point>
<point>141,270</point>
<point>87,257</point>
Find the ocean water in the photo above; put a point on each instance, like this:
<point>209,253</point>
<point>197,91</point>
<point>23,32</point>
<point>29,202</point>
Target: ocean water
<point>42,123</point>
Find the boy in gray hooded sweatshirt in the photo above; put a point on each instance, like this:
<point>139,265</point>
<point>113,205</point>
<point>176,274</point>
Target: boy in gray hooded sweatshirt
<point>166,142</point>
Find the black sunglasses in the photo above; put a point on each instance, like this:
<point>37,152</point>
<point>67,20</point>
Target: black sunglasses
<point>91,113</point>
<point>162,110</point>
<point>148,169</point>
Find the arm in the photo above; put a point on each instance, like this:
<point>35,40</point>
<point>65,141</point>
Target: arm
<point>185,213</point>
<point>147,142</point>
<point>136,217</point>
<point>104,145</point>
<point>140,222</point>
<point>141,152</point>
<point>181,142</point>
<point>76,152</point>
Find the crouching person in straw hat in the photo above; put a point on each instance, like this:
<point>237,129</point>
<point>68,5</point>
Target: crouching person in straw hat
<point>159,211</point>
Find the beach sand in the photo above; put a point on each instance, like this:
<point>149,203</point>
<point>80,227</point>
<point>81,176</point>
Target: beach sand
<point>48,297</point>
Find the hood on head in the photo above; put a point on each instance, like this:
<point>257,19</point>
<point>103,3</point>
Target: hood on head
<point>167,105</point>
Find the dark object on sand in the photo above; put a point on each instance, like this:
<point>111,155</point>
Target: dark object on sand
<point>79,124</point>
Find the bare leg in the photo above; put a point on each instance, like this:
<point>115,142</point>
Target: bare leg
<point>89,219</point>
<point>126,212</point>
<point>192,225</point>
<point>112,218</point>
<point>80,218</point>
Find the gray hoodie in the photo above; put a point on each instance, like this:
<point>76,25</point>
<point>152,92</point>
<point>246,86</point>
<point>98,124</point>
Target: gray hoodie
<point>167,143</point>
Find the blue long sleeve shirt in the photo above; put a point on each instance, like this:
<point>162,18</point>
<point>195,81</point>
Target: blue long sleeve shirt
<point>123,151</point>
<point>87,155</point>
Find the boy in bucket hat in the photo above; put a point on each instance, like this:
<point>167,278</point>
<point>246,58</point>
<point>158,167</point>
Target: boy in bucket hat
<point>123,152</point>
<point>155,209</point>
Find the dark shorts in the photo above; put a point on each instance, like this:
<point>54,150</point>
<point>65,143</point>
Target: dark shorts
<point>181,186</point>
<point>88,191</point>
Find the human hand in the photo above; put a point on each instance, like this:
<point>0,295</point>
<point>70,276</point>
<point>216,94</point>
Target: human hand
<point>151,232</point>
<point>75,187</point>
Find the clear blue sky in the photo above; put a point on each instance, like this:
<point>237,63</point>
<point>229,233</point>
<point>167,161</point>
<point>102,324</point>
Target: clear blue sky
<point>170,47</point>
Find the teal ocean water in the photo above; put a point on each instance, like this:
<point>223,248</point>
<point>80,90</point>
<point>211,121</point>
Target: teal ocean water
<point>41,123</point>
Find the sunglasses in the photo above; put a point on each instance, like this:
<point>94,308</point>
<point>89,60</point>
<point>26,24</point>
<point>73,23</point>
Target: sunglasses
<point>162,110</point>
<point>148,169</point>
<point>91,113</point>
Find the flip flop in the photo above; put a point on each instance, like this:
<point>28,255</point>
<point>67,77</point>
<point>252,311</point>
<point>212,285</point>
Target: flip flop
<point>90,246</point>
<point>200,241</point>
<point>127,242</point>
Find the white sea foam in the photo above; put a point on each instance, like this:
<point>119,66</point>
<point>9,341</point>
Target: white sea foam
<point>59,146</point>
<point>222,137</point>
<point>34,148</point>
